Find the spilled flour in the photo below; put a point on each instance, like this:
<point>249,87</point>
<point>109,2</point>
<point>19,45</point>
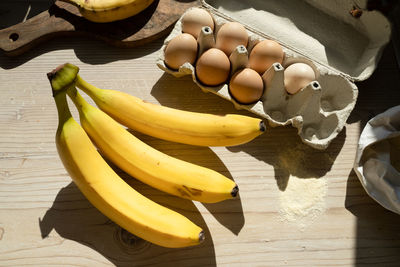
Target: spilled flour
<point>303,200</point>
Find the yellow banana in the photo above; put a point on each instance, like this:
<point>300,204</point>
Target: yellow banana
<point>109,10</point>
<point>147,164</point>
<point>105,189</point>
<point>172,124</point>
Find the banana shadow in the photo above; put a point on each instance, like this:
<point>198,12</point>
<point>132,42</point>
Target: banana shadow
<point>228,213</point>
<point>280,147</point>
<point>377,229</point>
<point>73,217</point>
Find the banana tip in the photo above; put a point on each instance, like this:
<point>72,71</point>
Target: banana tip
<point>201,236</point>
<point>235,191</point>
<point>263,127</point>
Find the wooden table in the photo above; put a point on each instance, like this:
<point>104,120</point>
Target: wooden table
<point>45,220</point>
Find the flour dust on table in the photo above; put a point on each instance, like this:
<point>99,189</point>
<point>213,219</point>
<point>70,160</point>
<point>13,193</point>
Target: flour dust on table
<point>303,200</point>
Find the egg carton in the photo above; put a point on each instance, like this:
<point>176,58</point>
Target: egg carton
<point>319,111</point>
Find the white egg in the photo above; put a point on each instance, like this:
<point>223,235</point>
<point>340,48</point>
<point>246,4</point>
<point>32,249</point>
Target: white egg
<point>297,76</point>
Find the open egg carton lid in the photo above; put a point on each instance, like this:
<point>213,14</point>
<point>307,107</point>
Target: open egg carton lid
<point>340,47</point>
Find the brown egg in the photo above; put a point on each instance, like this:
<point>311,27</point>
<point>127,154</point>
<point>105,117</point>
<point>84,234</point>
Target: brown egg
<point>195,19</point>
<point>231,35</point>
<point>213,67</point>
<point>246,86</point>
<point>264,54</point>
<point>297,76</point>
<point>181,49</point>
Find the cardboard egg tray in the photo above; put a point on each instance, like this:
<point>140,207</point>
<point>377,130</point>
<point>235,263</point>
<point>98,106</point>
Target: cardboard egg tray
<point>319,111</point>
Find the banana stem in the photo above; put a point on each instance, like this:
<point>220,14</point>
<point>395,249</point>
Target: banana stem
<point>64,113</point>
<point>89,89</point>
<point>78,100</point>
<point>61,79</point>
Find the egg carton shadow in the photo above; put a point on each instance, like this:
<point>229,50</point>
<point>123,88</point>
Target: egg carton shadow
<point>319,110</point>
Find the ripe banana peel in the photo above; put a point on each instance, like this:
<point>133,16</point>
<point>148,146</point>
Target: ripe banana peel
<point>175,125</point>
<point>109,10</point>
<point>147,164</point>
<point>105,189</point>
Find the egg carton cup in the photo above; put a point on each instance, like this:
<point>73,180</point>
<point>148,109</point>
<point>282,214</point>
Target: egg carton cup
<point>319,111</point>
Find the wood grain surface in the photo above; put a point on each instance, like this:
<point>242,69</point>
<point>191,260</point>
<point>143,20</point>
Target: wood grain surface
<point>46,221</point>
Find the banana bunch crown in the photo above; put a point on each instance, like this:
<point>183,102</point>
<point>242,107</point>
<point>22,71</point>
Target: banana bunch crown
<point>62,77</point>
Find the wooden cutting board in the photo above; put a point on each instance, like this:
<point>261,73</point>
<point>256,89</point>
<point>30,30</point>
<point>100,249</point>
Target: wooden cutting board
<point>63,19</point>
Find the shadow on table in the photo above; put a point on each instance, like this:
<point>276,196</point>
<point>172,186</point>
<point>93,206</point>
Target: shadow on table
<point>88,50</point>
<point>379,92</point>
<point>283,149</point>
<point>16,12</point>
<point>377,229</point>
<point>74,218</point>
<point>280,147</point>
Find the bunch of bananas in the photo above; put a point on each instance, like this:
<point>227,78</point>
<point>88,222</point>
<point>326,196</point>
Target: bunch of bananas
<point>109,10</point>
<point>106,190</point>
